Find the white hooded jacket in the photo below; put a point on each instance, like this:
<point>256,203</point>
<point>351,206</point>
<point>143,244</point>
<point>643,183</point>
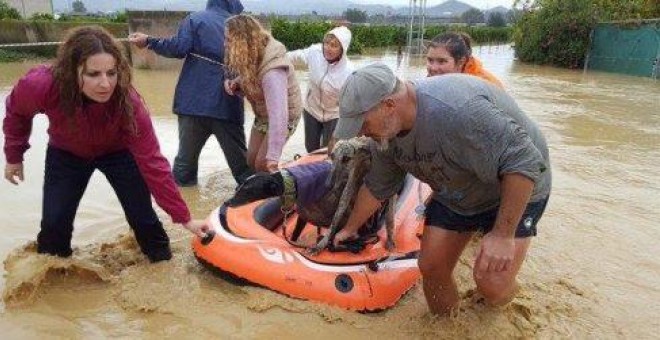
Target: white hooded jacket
<point>325,79</point>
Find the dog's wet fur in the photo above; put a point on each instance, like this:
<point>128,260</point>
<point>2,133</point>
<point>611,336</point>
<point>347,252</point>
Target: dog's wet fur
<point>351,160</point>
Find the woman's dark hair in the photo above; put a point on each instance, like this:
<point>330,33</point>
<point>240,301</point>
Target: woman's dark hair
<point>458,44</point>
<point>80,44</point>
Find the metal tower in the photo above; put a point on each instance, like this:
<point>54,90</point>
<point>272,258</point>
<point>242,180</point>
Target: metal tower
<point>417,15</point>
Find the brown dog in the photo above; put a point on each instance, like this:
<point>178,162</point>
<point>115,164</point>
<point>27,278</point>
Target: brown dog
<point>351,160</point>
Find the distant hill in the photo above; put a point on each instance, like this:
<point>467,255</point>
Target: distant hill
<point>291,7</point>
<point>376,9</point>
<point>451,8</point>
<point>119,5</point>
<point>498,9</point>
<point>321,7</point>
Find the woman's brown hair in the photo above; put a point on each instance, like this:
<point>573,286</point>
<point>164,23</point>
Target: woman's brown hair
<point>458,44</point>
<point>245,45</point>
<point>80,44</point>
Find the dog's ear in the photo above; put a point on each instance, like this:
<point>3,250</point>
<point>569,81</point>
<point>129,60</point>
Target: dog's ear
<point>256,187</point>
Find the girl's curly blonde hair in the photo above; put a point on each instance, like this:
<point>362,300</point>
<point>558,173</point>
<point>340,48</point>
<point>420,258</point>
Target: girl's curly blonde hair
<point>245,43</point>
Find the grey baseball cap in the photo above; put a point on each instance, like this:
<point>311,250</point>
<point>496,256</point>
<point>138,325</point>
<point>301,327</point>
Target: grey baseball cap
<point>363,90</point>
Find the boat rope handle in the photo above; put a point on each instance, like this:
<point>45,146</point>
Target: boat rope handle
<point>44,43</point>
<point>287,214</point>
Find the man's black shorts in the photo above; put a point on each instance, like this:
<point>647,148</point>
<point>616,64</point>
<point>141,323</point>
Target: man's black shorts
<point>438,215</point>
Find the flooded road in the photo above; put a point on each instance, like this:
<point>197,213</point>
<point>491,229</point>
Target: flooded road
<point>593,271</point>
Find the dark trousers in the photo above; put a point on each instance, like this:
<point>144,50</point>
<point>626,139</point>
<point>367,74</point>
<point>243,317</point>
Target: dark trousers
<point>194,131</point>
<point>65,181</point>
<point>317,134</point>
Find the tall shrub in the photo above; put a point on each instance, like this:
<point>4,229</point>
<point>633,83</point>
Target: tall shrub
<point>8,12</point>
<point>297,35</point>
<point>555,32</point>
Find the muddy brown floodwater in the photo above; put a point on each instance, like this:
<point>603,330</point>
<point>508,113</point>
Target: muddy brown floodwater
<point>593,271</point>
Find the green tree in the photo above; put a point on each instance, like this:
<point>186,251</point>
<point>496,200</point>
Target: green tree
<point>79,6</point>
<point>472,16</point>
<point>513,15</point>
<point>604,10</point>
<point>121,17</point>
<point>496,19</point>
<point>627,9</point>
<point>355,15</point>
<point>8,12</point>
<point>557,32</point>
<point>42,16</point>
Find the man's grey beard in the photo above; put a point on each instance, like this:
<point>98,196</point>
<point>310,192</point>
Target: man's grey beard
<point>383,144</point>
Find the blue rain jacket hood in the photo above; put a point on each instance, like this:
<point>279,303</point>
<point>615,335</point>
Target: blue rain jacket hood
<point>231,6</point>
<point>200,90</point>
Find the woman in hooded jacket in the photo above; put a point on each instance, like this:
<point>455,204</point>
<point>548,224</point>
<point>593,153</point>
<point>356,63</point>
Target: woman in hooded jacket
<point>329,67</point>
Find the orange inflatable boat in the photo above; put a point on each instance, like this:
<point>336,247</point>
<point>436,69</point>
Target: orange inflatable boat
<point>253,243</point>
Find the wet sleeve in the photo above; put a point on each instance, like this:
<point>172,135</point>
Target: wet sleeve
<point>177,46</point>
<point>385,178</point>
<point>274,85</point>
<point>153,166</point>
<point>491,144</point>
<point>26,99</point>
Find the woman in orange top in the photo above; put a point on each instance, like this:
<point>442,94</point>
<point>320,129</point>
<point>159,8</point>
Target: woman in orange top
<point>451,52</point>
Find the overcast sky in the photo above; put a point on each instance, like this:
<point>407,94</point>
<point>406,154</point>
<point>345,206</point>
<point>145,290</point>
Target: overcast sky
<point>481,4</point>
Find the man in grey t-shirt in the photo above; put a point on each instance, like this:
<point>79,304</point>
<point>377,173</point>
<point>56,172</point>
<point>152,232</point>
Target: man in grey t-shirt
<point>486,162</point>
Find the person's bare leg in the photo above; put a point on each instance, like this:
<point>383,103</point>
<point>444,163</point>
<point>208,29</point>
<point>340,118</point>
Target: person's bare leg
<point>256,138</point>
<point>499,288</point>
<point>440,251</point>
<point>260,160</point>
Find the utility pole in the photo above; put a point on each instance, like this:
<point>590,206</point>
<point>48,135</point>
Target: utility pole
<point>23,7</point>
<point>417,18</point>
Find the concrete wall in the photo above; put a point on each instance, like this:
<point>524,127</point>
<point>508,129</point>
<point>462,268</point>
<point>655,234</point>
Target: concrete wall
<point>29,7</point>
<point>157,24</point>
<point>12,32</point>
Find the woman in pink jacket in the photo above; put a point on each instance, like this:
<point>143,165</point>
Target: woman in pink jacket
<point>97,121</point>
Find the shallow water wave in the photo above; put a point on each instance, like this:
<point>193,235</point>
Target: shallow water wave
<point>28,273</point>
<point>183,290</point>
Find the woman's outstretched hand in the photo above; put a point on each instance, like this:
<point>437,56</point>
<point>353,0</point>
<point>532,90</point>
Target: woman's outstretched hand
<point>14,172</point>
<point>197,227</point>
<point>138,39</point>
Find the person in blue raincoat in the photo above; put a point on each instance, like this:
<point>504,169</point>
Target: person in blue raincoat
<point>202,105</point>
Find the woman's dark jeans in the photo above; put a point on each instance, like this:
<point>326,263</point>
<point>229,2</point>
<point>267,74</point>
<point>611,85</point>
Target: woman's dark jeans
<point>65,180</point>
<point>317,134</point>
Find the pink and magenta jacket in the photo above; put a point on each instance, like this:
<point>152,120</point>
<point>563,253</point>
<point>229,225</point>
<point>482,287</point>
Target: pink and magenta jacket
<point>96,131</point>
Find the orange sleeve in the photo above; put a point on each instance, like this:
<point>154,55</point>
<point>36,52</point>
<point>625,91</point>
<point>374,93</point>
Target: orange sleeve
<point>475,68</point>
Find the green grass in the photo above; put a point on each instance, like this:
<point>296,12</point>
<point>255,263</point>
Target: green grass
<point>8,56</point>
